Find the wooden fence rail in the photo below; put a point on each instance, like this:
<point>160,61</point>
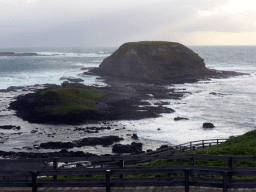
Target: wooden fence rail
<point>183,179</point>
<point>190,175</point>
<point>200,144</point>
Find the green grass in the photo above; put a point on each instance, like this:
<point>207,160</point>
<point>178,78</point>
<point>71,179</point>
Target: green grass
<point>126,46</point>
<point>63,101</point>
<point>244,145</point>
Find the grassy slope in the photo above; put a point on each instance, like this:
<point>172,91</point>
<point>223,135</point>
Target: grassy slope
<point>244,145</point>
<point>71,100</point>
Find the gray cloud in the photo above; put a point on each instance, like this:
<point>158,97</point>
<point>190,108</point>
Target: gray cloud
<point>107,23</point>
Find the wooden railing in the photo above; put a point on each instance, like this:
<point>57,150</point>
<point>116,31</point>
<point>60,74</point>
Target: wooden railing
<point>200,144</point>
<point>190,175</point>
<point>189,146</point>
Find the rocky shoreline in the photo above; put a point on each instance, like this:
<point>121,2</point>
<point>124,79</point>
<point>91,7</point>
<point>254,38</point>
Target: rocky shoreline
<point>125,98</point>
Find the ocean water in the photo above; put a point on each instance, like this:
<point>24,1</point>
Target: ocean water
<point>56,63</point>
<point>227,103</point>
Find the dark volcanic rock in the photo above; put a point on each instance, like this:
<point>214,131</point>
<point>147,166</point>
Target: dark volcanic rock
<point>153,61</point>
<point>56,145</point>
<point>72,79</point>
<point>62,153</point>
<point>9,127</point>
<point>180,118</point>
<point>133,148</point>
<point>134,136</point>
<point>208,125</point>
<point>105,141</point>
<point>116,104</point>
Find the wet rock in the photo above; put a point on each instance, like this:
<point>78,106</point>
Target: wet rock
<point>72,79</point>
<point>162,103</point>
<point>158,129</point>
<point>9,127</point>
<point>36,146</point>
<point>134,136</point>
<point>180,118</point>
<point>62,153</point>
<point>208,125</point>
<point>105,141</point>
<point>133,148</point>
<point>91,141</point>
<point>57,145</point>
<point>164,146</point>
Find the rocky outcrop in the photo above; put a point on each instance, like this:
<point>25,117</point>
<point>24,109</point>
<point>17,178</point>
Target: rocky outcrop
<point>72,79</point>
<point>180,118</point>
<point>133,148</point>
<point>208,125</point>
<point>10,127</point>
<point>153,61</point>
<point>90,141</point>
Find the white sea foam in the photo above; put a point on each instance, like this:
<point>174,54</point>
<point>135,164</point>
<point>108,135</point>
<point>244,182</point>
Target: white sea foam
<point>62,54</point>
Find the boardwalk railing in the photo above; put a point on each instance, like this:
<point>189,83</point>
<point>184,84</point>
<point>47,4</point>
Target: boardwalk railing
<point>200,144</point>
<point>189,146</point>
<point>190,175</point>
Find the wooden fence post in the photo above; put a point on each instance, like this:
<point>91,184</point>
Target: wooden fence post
<point>225,181</point>
<point>203,144</point>
<point>230,166</point>
<point>121,165</point>
<point>190,146</point>
<point>55,167</point>
<point>108,181</point>
<point>217,141</point>
<point>192,162</point>
<point>187,171</point>
<point>34,181</point>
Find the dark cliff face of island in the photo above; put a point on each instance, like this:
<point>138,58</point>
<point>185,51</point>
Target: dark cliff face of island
<point>154,60</point>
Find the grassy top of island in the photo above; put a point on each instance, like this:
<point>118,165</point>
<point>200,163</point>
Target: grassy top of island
<point>70,98</point>
<point>63,101</point>
<point>123,48</point>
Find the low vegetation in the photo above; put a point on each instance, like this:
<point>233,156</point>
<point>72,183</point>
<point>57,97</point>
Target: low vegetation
<point>63,101</point>
<point>126,46</point>
<point>243,145</point>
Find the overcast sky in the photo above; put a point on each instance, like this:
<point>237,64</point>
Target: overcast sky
<point>84,23</point>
